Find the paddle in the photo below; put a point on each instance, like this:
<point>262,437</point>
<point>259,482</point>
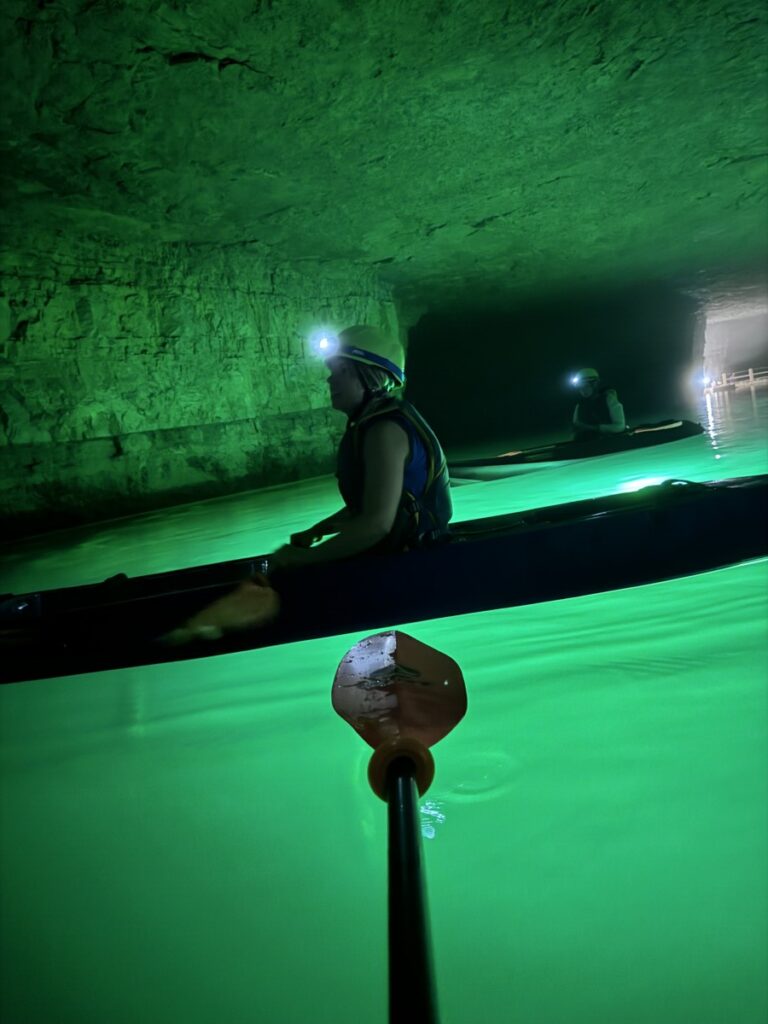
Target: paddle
<point>402,697</point>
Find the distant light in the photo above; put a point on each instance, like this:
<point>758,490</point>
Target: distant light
<point>646,481</point>
<point>574,380</point>
<point>707,381</point>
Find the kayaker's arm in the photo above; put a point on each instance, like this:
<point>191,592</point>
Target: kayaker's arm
<point>616,409</point>
<point>385,450</point>
<point>331,524</point>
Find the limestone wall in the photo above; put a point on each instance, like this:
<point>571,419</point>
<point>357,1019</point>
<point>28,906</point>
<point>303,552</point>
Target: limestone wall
<point>132,377</point>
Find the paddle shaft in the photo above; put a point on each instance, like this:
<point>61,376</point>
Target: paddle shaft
<point>411,991</point>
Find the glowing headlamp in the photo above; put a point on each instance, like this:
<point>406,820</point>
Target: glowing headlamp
<point>580,379</point>
<point>323,343</point>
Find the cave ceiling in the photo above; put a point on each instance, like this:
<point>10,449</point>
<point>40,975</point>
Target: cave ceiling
<point>458,147</point>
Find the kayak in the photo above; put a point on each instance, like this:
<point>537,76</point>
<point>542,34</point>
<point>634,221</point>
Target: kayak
<point>513,463</point>
<point>584,547</point>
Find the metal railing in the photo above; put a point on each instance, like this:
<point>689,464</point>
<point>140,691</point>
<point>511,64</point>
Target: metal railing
<point>739,379</point>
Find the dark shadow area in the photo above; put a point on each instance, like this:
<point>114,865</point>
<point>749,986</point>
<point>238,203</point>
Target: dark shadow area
<point>504,375</point>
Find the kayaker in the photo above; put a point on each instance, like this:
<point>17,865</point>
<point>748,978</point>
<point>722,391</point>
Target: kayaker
<point>391,472</point>
<point>599,410</point>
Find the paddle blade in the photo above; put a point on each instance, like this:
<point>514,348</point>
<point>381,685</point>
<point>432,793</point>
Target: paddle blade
<point>391,685</point>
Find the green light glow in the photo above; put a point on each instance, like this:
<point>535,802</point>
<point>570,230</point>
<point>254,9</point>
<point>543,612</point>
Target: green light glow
<point>197,841</point>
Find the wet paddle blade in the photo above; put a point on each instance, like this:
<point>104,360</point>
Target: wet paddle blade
<point>391,686</point>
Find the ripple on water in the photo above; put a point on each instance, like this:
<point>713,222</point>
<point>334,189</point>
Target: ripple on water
<point>483,775</point>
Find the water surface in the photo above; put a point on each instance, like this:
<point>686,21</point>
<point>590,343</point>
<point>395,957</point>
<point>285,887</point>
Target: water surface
<point>197,841</point>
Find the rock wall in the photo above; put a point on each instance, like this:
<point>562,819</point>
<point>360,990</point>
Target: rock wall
<point>137,376</point>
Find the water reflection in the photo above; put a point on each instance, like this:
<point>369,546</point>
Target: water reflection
<point>753,400</point>
<point>710,425</point>
<point>432,816</point>
<point>735,427</point>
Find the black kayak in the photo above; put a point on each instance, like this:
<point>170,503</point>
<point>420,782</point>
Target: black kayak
<point>511,463</point>
<point>601,544</point>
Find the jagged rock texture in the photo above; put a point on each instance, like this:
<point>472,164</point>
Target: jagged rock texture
<point>134,376</point>
<point>438,140</point>
<point>187,183</point>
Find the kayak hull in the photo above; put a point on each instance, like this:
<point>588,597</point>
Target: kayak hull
<point>585,547</point>
<point>514,463</point>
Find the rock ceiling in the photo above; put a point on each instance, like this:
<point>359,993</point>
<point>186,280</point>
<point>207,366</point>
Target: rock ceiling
<point>457,146</point>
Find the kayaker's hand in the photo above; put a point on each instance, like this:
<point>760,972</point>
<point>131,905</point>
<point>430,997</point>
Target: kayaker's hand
<point>305,538</point>
<point>289,556</point>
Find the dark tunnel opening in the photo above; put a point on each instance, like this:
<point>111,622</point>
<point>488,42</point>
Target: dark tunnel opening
<point>502,375</point>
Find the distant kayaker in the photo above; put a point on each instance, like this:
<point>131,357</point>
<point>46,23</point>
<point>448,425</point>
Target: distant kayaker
<point>391,473</point>
<point>599,410</point>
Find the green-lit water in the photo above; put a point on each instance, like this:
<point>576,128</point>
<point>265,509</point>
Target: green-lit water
<point>197,842</point>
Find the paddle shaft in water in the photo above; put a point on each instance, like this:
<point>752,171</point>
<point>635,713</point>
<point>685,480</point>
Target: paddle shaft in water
<point>411,985</point>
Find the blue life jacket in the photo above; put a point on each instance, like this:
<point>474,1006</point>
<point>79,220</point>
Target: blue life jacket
<point>425,505</point>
